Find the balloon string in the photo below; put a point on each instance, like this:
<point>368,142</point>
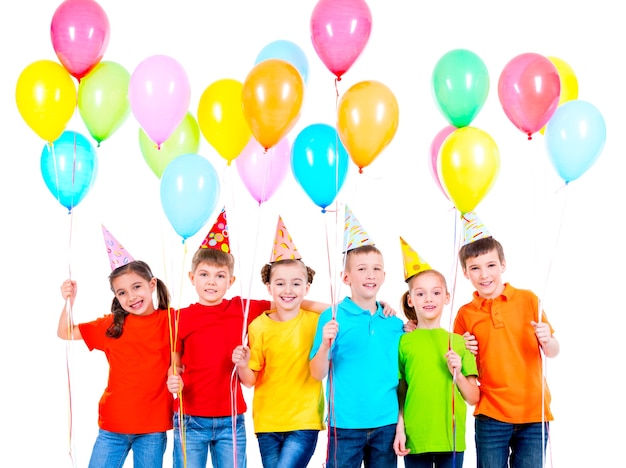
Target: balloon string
<point>68,354</point>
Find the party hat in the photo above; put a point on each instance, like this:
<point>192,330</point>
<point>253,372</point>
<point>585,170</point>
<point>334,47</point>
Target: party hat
<point>354,235</point>
<point>413,263</point>
<point>217,238</point>
<point>284,248</point>
<point>118,255</point>
<point>474,228</point>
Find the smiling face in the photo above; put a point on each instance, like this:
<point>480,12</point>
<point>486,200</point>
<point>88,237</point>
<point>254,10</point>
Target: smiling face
<point>365,274</point>
<point>288,285</point>
<point>428,295</point>
<point>211,282</point>
<point>485,273</point>
<point>134,293</point>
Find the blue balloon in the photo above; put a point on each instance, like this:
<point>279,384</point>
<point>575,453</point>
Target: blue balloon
<point>319,163</point>
<point>69,166</point>
<point>574,137</point>
<point>189,193</point>
<point>287,51</point>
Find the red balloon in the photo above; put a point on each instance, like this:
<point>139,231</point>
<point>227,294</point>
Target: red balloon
<point>529,90</point>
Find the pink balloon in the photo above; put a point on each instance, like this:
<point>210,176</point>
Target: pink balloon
<point>529,90</point>
<point>340,30</point>
<point>80,35</point>
<point>434,154</point>
<point>159,93</point>
<point>262,171</point>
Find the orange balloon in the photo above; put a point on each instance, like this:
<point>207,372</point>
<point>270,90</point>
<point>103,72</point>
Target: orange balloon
<point>367,120</point>
<point>272,98</point>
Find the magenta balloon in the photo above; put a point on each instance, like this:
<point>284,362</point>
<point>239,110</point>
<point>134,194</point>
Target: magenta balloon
<point>440,137</point>
<point>340,30</point>
<point>263,171</point>
<point>80,35</point>
<point>159,93</point>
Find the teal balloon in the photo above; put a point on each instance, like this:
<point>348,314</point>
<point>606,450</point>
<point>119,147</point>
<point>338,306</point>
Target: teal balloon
<point>319,163</point>
<point>69,166</point>
<point>289,52</point>
<point>189,193</point>
<point>460,84</point>
<point>575,137</point>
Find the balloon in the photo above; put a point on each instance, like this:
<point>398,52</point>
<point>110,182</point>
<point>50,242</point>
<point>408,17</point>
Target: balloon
<point>367,120</point>
<point>189,192</point>
<point>69,166</point>
<point>529,90</point>
<point>159,94</point>
<point>46,98</point>
<point>575,137</point>
<point>435,146</point>
<point>460,83</point>
<point>319,163</point>
<point>287,51</point>
<point>469,162</point>
<point>221,119</point>
<point>340,30</point>
<point>272,99</point>
<point>103,99</point>
<point>184,140</point>
<point>80,35</point>
<point>263,171</point>
<point>568,80</point>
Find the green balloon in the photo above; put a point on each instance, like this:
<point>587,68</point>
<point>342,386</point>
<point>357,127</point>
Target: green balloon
<point>460,84</point>
<point>103,99</point>
<point>185,139</point>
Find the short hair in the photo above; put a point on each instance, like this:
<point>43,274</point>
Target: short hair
<point>266,271</point>
<point>480,247</point>
<point>409,312</point>
<point>213,257</point>
<point>364,249</point>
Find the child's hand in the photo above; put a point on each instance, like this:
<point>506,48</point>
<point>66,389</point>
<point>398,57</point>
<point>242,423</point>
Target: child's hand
<point>399,443</point>
<point>388,311</point>
<point>542,332</point>
<point>471,343</point>
<point>241,356</point>
<point>175,384</point>
<point>68,290</point>
<point>410,326</point>
<point>329,332</point>
<point>454,361</point>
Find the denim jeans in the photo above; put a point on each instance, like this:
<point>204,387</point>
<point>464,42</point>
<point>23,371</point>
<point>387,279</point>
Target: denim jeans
<point>436,459</point>
<point>111,449</point>
<point>347,448</point>
<point>202,435</point>
<point>498,442</point>
<point>291,449</point>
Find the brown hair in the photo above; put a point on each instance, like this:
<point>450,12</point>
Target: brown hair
<point>213,257</point>
<point>266,271</point>
<point>409,312</point>
<point>364,249</point>
<point>480,247</point>
<point>142,269</point>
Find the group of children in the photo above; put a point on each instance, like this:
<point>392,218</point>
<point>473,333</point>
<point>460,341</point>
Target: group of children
<point>392,388</point>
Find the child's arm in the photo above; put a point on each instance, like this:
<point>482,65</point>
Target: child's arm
<point>467,385</point>
<point>471,343</point>
<point>241,358</point>
<point>547,341</point>
<point>319,364</point>
<point>399,442</point>
<point>65,329</point>
<point>313,306</point>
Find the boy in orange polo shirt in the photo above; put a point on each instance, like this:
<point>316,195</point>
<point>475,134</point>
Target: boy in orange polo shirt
<point>509,422</point>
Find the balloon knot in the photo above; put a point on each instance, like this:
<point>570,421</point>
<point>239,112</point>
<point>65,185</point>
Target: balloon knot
<point>360,170</point>
<point>159,146</point>
<point>323,210</point>
<point>530,136</point>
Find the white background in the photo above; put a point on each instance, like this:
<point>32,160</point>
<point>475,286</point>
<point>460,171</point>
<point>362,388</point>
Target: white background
<point>563,242</point>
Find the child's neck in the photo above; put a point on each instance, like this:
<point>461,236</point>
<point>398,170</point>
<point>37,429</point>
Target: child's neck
<point>281,315</point>
<point>366,303</point>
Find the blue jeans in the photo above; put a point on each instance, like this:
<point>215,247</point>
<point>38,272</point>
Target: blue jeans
<point>500,444</point>
<point>291,449</point>
<point>347,448</point>
<point>436,459</point>
<point>202,435</point>
<point>111,449</point>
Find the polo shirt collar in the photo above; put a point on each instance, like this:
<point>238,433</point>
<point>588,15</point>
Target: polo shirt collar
<point>355,309</point>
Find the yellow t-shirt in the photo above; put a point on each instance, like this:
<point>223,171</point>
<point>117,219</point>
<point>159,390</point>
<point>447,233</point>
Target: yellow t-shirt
<point>286,396</point>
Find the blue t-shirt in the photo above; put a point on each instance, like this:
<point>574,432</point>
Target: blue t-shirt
<point>363,376</point>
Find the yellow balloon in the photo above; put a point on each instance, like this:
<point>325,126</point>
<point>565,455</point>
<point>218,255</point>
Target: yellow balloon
<point>367,120</point>
<point>569,82</point>
<point>221,119</point>
<point>46,98</point>
<point>468,164</point>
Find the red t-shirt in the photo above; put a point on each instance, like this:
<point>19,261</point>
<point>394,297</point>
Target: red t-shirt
<point>206,338</point>
<point>136,399</point>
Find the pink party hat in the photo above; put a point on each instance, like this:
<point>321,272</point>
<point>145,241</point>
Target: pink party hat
<point>284,248</point>
<point>413,263</point>
<point>474,228</point>
<point>217,238</point>
<point>118,255</point>
<point>353,234</point>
